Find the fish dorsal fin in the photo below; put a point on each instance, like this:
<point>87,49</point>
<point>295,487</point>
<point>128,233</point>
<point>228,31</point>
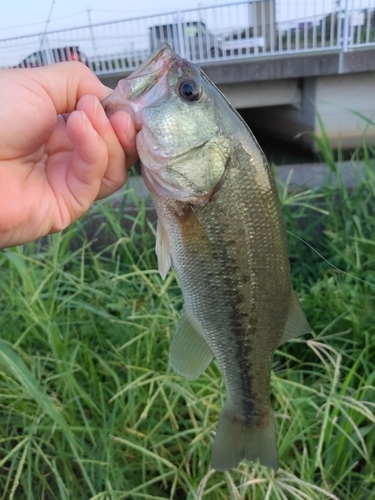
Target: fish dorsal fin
<point>189,353</point>
<point>296,323</point>
<point>162,250</point>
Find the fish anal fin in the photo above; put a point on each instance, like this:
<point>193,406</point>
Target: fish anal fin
<point>162,250</point>
<point>296,323</point>
<point>235,440</point>
<point>189,353</point>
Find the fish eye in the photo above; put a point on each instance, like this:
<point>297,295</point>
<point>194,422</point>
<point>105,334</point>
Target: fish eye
<point>189,89</point>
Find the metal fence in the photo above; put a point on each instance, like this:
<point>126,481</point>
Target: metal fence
<point>266,28</point>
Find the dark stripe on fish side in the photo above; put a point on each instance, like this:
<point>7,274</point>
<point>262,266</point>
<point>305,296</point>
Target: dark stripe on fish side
<point>222,277</point>
<point>240,329</point>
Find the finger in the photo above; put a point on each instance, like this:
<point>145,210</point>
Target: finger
<point>66,82</point>
<point>88,164</point>
<point>59,140</point>
<point>125,130</point>
<point>115,174</point>
<point>41,94</point>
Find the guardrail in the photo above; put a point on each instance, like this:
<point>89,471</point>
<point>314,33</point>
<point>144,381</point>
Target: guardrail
<point>222,32</point>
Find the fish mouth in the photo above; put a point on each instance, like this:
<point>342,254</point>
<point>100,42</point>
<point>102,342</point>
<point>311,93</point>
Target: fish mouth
<point>130,93</point>
<point>162,60</point>
<point>148,73</point>
<point>154,66</point>
<point>133,93</point>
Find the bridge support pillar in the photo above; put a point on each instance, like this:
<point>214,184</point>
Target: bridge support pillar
<point>343,104</point>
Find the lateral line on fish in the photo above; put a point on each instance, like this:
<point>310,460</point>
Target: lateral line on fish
<point>330,263</point>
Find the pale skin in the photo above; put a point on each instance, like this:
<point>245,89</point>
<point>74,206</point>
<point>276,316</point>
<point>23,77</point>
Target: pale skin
<point>58,151</point>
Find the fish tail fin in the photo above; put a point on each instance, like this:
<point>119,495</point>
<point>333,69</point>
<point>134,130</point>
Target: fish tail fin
<point>236,440</point>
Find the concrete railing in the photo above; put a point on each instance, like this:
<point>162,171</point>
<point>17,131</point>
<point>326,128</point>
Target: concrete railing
<point>218,33</point>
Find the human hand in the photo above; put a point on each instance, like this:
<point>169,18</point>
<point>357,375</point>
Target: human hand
<point>53,167</point>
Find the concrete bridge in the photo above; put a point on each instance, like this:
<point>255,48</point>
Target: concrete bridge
<point>291,94</point>
<point>288,95</point>
<point>291,64</point>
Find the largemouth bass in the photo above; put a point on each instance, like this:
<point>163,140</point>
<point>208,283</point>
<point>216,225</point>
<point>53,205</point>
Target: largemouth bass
<point>219,223</point>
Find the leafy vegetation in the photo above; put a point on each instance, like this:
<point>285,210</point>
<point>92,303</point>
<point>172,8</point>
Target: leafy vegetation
<point>90,409</point>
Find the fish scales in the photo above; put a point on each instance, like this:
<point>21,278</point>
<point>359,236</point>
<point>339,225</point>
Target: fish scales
<point>241,291</point>
<point>220,224</point>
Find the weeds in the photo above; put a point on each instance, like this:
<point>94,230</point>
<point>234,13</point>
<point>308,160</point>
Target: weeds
<point>90,408</point>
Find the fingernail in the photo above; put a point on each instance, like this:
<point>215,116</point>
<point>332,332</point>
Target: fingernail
<point>84,118</point>
<point>86,123</point>
<point>99,111</point>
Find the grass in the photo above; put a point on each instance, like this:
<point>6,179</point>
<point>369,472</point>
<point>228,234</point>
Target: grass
<point>90,409</point>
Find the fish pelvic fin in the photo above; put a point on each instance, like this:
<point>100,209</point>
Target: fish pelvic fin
<point>296,323</point>
<point>235,440</point>
<point>162,250</point>
<point>189,353</point>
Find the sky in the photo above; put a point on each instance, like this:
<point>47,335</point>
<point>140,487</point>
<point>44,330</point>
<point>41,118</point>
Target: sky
<point>21,17</point>
<point>24,17</point>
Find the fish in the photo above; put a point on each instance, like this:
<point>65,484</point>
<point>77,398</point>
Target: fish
<point>220,226</point>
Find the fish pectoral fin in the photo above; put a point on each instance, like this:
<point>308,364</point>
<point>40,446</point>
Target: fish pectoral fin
<point>189,353</point>
<point>296,323</point>
<point>162,250</point>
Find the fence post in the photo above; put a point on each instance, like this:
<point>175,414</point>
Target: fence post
<point>180,35</point>
<point>344,36</point>
<point>346,26</point>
